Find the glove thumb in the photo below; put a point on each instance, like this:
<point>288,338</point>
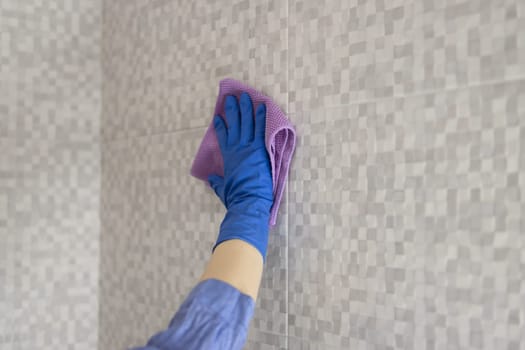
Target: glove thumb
<point>217,183</point>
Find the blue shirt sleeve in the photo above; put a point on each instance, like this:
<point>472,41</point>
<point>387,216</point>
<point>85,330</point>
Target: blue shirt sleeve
<point>214,316</point>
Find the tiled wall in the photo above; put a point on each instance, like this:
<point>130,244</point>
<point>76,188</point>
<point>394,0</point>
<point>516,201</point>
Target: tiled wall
<point>162,61</point>
<point>50,106</point>
<point>403,226</point>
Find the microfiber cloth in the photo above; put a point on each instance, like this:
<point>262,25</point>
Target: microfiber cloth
<point>279,139</point>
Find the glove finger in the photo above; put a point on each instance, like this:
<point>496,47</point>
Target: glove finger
<point>260,123</point>
<point>246,118</point>
<point>221,132</point>
<point>233,118</point>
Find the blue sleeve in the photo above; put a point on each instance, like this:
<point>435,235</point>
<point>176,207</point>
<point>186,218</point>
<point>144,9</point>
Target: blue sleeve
<point>214,316</point>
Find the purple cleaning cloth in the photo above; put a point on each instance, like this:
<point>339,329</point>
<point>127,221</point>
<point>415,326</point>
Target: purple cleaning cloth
<point>279,139</point>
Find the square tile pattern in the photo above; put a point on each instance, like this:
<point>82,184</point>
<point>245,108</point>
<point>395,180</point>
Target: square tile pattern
<point>50,106</point>
<point>49,251</point>
<point>406,223</point>
<point>163,60</point>
<point>158,228</point>
<point>403,223</point>
<point>344,51</point>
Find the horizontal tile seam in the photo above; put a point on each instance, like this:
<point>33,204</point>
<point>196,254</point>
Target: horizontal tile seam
<point>61,140</point>
<point>154,134</point>
<point>416,94</point>
<point>109,140</point>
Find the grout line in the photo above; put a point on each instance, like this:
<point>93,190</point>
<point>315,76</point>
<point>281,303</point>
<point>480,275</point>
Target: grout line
<point>154,134</point>
<point>420,93</point>
<point>101,194</point>
<point>287,74</point>
<point>287,231</point>
<point>287,260</point>
<point>56,140</point>
<point>356,102</point>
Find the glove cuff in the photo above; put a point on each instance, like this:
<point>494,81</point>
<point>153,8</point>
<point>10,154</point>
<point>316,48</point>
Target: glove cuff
<point>251,226</point>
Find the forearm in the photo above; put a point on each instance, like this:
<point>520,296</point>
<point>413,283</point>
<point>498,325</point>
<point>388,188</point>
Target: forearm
<point>238,264</point>
<point>217,313</point>
<point>247,193</point>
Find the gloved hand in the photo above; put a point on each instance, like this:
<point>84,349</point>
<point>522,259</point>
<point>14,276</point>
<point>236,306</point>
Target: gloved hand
<point>246,189</point>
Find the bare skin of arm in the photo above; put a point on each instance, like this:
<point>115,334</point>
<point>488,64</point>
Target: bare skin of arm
<point>246,191</point>
<point>238,264</point>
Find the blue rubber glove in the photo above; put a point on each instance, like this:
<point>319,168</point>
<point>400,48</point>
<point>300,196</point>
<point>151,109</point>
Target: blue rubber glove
<point>246,189</point>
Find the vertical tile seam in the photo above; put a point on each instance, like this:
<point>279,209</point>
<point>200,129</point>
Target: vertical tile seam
<point>287,231</point>
<point>101,151</point>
